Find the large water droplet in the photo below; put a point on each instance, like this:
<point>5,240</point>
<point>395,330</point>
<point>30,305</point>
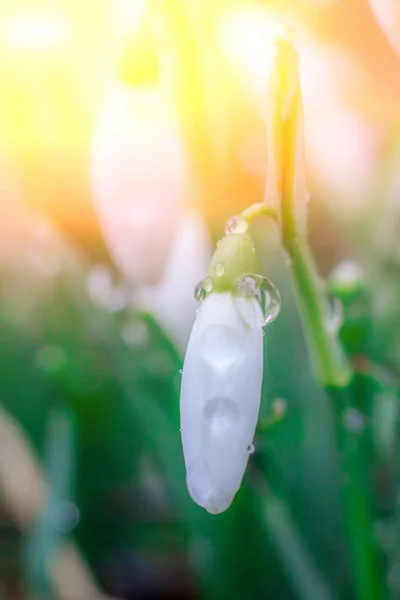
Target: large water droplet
<point>334,319</point>
<point>220,346</point>
<point>219,269</point>
<point>264,291</point>
<point>236,225</point>
<point>220,414</point>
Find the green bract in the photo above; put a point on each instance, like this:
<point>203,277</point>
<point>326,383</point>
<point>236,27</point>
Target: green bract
<point>235,255</point>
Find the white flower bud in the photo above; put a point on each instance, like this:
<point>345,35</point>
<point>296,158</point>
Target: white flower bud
<point>220,397</point>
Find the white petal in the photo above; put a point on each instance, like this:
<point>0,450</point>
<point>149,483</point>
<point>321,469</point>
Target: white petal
<point>220,399</point>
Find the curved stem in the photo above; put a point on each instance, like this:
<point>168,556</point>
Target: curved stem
<point>259,209</point>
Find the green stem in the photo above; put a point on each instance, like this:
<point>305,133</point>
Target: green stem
<point>336,375</point>
<point>329,359</point>
<point>259,209</point>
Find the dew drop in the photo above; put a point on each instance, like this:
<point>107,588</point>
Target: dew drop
<point>334,320</point>
<point>253,247</point>
<point>181,371</point>
<point>236,224</point>
<point>246,285</point>
<point>251,449</point>
<point>219,269</point>
<point>220,346</point>
<point>199,292</point>
<point>264,291</point>
<point>220,414</point>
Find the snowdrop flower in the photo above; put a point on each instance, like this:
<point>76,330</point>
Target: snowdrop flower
<point>223,369</point>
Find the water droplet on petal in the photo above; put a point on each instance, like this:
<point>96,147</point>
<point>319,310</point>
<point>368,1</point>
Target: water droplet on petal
<point>246,285</point>
<point>220,346</point>
<point>181,371</point>
<point>199,292</point>
<point>335,318</point>
<point>220,414</point>
<point>204,287</point>
<point>264,291</point>
<point>219,269</point>
<point>236,225</point>
<point>251,449</point>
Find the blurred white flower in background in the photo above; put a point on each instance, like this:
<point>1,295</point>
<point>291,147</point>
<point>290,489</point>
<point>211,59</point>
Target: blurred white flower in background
<point>172,300</point>
<point>140,184</point>
<point>138,179</point>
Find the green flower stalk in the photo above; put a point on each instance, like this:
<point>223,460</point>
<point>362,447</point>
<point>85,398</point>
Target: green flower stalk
<point>286,194</point>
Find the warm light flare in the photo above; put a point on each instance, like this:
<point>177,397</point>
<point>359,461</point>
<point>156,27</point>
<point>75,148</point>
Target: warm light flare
<point>35,32</point>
